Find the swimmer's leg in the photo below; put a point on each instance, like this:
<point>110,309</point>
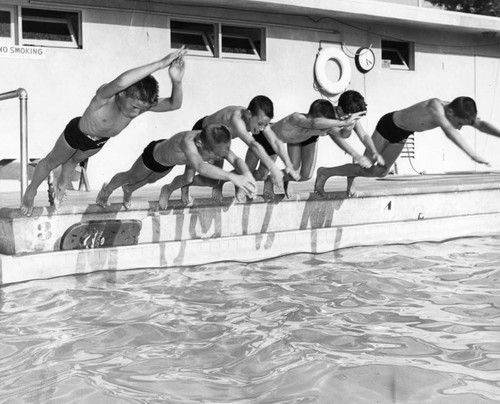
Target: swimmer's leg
<point>60,153</point>
<point>268,192</point>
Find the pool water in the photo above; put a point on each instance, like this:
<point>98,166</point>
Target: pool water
<point>413,323</point>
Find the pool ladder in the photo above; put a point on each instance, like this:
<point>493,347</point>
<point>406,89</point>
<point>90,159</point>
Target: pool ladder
<point>22,94</point>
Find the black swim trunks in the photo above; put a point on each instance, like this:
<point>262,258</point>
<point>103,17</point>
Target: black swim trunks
<point>261,139</point>
<point>388,129</point>
<point>199,124</point>
<point>312,139</point>
<point>79,140</point>
<point>149,160</point>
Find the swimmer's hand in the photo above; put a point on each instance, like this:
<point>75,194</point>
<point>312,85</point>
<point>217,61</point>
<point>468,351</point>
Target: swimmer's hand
<point>363,161</point>
<point>176,70</point>
<point>352,118</point>
<point>379,159</point>
<point>480,160</point>
<point>276,177</point>
<point>245,183</point>
<point>167,60</point>
<point>293,173</point>
<point>253,193</point>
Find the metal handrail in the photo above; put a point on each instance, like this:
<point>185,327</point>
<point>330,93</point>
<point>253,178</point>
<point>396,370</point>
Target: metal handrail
<point>22,94</point>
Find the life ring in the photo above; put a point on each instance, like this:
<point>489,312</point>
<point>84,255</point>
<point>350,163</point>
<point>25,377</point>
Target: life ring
<point>322,79</point>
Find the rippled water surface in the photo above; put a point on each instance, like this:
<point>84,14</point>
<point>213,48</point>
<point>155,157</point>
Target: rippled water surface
<point>391,324</point>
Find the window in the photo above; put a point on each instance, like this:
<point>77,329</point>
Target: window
<point>50,28</point>
<point>236,42</point>
<point>6,25</point>
<point>241,42</point>
<point>195,36</point>
<point>397,55</point>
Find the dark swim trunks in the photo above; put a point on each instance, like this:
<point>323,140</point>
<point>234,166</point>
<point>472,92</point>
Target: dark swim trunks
<point>199,124</point>
<point>388,129</point>
<point>149,160</point>
<point>79,140</point>
<point>261,139</point>
<point>312,139</point>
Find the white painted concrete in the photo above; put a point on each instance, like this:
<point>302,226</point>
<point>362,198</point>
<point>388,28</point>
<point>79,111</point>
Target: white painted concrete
<point>248,248</point>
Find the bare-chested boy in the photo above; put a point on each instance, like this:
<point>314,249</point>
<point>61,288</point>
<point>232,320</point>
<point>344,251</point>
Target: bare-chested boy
<point>300,132</point>
<point>252,126</point>
<point>395,127</point>
<point>351,102</point>
<point>195,149</point>
<point>112,108</point>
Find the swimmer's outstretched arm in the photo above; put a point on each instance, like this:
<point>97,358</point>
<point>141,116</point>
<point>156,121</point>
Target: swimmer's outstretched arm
<point>216,173</point>
<point>319,123</point>
<point>363,161</point>
<point>132,76</point>
<point>241,167</point>
<point>176,72</point>
<point>208,170</point>
<point>239,164</point>
<point>281,150</point>
<point>366,139</point>
<point>454,135</point>
<point>486,127</point>
<point>241,131</point>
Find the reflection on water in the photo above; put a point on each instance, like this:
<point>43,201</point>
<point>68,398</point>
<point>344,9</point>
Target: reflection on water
<point>394,324</point>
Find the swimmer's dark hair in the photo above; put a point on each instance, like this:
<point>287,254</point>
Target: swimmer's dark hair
<point>465,108</point>
<point>214,135</point>
<point>145,90</point>
<point>322,109</point>
<point>351,102</point>
<point>262,103</point>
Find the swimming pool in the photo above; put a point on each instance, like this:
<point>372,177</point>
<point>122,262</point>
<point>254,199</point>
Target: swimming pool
<point>415,323</point>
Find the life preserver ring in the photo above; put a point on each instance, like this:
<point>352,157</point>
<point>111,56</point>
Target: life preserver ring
<point>322,79</point>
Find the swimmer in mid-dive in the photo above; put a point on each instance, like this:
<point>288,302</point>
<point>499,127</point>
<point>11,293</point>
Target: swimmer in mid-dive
<point>110,111</point>
<point>300,132</point>
<point>394,128</point>
<point>240,121</point>
<point>196,150</point>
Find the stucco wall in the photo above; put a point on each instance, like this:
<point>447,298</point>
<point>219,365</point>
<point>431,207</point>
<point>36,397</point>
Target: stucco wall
<point>61,85</point>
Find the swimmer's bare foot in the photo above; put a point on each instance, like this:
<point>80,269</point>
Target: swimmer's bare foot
<point>240,195</point>
<point>27,204</point>
<point>102,196</point>
<point>253,194</point>
<point>268,191</point>
<point>185,197</point>
<point>351,192</point>
<point>59,198</point>
<point>217,193</point>
<point>127,197</point>
<point>319,185</point>
<point>165,193</point>
<point>288,192</point>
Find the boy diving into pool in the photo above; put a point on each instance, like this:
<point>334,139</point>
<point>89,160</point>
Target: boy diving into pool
<point>251,125</point>
<point>110,111</point>
<point>301,131</point>
<point>395,127</point>
<point>196,150</point>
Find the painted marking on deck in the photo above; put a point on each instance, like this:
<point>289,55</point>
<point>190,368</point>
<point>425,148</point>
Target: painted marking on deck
<point>101,234</point>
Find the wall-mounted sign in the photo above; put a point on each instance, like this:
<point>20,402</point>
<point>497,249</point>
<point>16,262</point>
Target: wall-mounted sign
<point>22,52</point>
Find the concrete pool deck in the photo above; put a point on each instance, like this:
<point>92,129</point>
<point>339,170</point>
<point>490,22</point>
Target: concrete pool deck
<point>396,209</point>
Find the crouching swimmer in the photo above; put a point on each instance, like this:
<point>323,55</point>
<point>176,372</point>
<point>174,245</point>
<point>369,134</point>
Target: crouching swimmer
<point>394,128</point>
<point>197,150</point>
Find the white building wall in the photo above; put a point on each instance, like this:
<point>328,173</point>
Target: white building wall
<point>61,85</point>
